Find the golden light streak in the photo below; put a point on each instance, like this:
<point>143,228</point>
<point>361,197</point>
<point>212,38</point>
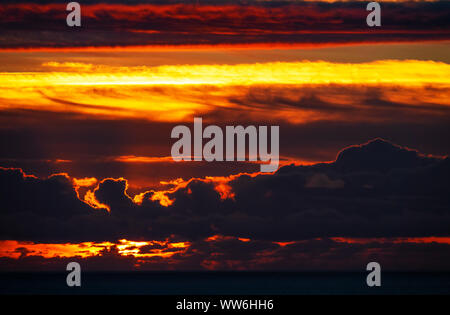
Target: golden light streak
<point>410,72</point>
<point>218,47</point>
<point>143,159</point>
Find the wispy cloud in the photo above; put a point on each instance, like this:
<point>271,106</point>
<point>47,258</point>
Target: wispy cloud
<point>143,23</point>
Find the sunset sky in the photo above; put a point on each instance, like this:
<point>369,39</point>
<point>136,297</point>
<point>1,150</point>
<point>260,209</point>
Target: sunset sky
<point>86,115</point>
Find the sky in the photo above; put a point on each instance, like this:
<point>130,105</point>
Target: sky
<point>86,115</point>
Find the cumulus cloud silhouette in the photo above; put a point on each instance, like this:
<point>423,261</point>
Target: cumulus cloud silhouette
<point>377,189</point>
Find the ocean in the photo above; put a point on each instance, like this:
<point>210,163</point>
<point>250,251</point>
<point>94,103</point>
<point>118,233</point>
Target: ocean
<point>224,283</point>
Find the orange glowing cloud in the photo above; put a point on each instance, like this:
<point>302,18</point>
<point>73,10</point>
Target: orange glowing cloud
<point>16,249</point>
<point>220,238</point>
<point>220,184</point>
<point>177,93</point>
<point>133,248</point>
<point>167,248</point>
<point>92,201</point>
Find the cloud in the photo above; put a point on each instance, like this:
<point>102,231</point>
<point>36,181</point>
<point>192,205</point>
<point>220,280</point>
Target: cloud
<point>232,254</point>
<point>380,156</point>
<point>297,92</point>
<point>377,201</point>
<point>216,23</point>
<point>322,181</point>
<point>377,189</point>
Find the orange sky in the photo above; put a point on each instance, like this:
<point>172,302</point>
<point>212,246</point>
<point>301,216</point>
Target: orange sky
<point>178,92</point>
<point>165,80</point>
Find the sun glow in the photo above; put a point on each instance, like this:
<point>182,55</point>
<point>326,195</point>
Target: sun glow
<point>177,92</point>
<point>305,72</point>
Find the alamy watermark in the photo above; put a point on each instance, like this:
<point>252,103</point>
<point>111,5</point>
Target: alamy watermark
<point>74,17</point>
<point>73,279</point>
<point>213,150</point>
<point>374,17</point>
<point>374,277</point>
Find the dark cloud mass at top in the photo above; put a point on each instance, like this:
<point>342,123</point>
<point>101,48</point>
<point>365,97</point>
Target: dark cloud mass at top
<point>377,189</point>
<point>122,23</point>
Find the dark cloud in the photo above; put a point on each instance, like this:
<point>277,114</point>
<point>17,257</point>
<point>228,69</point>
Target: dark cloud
<point>374,190</point>
<point>181,23</point>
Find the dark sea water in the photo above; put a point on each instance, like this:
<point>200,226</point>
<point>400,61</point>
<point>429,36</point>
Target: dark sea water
<point>224,283</point>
